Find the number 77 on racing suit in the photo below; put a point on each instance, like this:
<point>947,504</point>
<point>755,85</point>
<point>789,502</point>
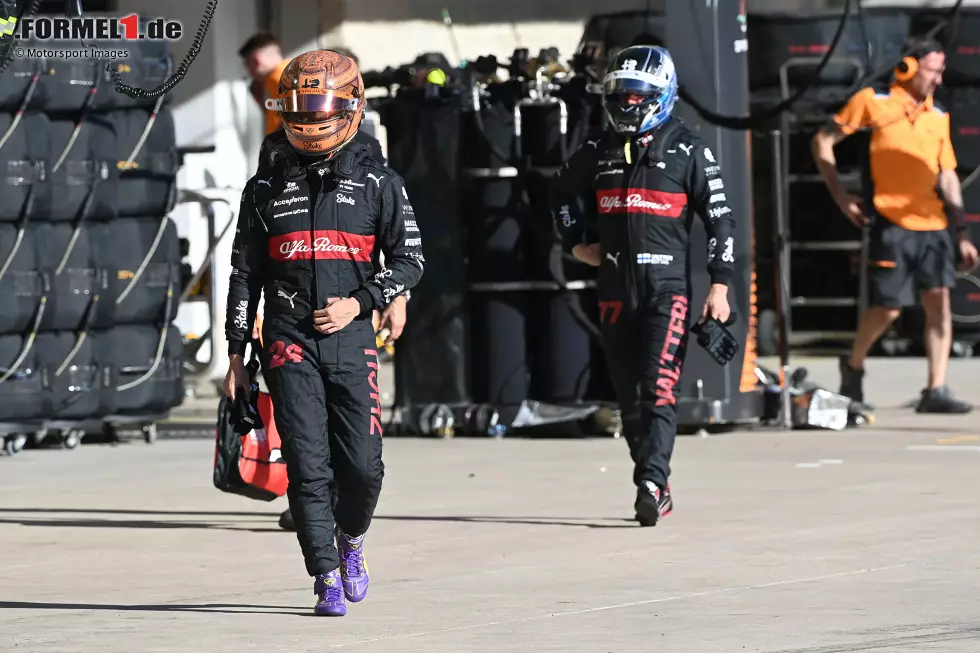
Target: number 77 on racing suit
<point>649,174</point>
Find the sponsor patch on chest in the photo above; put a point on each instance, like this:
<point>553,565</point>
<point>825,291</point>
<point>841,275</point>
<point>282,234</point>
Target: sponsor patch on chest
<point>641,200</point>
<point>321,245</point>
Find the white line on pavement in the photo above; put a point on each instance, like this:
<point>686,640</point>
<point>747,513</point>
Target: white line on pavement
<point>820,463</point>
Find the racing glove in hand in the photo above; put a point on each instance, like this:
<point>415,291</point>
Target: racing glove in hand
<point>717,340</point>
<point>245,413</point>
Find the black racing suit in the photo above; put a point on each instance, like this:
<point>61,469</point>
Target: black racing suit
<point>309,232</point>
<point>644,211</point>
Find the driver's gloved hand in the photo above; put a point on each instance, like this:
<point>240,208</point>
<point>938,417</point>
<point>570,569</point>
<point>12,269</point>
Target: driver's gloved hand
<point>717,340</point>
<point>245,414</point>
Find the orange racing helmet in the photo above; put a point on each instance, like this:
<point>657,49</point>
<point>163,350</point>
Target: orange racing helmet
<point>321,101</point>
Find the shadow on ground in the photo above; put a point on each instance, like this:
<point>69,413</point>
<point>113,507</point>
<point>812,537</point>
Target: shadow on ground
<point>115,511</point>
<point>30,517</point>
<point>587,522</point>
<point>207,608</point>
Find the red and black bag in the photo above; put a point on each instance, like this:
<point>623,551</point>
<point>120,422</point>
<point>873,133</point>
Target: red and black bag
<point>250,465</point>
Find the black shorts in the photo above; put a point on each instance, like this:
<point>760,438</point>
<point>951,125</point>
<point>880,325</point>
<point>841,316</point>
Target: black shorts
<point>898,257</point>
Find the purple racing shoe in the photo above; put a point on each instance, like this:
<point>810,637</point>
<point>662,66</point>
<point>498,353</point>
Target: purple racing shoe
<point>353,566</point>
<point>330,595</point>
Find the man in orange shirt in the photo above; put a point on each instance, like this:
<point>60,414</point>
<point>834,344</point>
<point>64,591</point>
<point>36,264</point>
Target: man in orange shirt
<point>915,186</point>
<point>262,56</point>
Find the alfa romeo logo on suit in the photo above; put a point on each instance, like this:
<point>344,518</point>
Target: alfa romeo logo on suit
<point>319,245</point>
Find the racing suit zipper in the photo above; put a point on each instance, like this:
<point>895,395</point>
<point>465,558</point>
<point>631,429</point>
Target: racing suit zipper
<point>314,187</point>
<point>631,283</point>
<point>325,218</point>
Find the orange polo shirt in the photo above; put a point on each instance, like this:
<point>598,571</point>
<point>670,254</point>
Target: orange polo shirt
<point>271,87</point>
<point>910,145</point>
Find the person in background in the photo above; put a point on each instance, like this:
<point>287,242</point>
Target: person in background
<point>262,56</point>
<point>911,251</point>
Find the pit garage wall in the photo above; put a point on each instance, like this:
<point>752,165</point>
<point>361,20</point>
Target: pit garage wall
<point>212,105</point>
<point>392,32</point>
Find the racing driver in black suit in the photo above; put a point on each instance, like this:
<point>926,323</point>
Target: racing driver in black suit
<point>275,146</point>
<point>310,232</point>
<point>649,175</point>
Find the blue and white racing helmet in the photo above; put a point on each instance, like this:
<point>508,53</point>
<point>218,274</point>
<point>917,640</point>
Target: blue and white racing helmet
<point>644,71</point>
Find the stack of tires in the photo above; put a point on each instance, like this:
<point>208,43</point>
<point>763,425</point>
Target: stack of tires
<point>530,336</point>
<point>507,318</point>
<point>89,260</point>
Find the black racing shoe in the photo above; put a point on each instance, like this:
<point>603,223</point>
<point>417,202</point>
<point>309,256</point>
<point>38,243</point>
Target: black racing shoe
<point>652,503</point>
<point>851,381</point>
<point>941,400</point>
<point>286,521</point>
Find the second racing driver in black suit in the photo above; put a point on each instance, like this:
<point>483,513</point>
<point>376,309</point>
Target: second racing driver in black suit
<point>650,174</point>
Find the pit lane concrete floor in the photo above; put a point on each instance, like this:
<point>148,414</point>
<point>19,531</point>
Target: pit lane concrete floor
<point>814,542</point>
